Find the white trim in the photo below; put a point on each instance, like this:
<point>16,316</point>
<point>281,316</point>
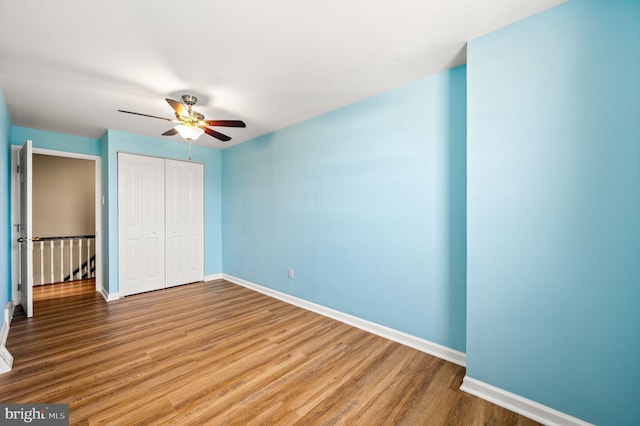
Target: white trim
<point>414,342</point>
<point>11,307</point>
<point>516,403</point>
<point>6,360</point>
<point>8,316</point>
<point>109,297</point>
<point>16,295</point>
<point>213,277</point>
<point>65,154</point>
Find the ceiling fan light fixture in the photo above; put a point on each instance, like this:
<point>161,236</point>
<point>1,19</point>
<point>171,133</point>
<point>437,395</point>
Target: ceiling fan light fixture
<point>192,123</point>
<point>190,133</point>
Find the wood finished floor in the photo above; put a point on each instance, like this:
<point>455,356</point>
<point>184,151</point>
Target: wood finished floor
<point>216,353</point>
<point>64,289</point>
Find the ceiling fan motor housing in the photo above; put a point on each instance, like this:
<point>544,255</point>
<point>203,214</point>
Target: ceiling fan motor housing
<point>189,99</point>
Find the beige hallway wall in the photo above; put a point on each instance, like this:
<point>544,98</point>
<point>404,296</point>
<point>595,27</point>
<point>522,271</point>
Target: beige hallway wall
<point>63,205</point>
<point>63,196</point>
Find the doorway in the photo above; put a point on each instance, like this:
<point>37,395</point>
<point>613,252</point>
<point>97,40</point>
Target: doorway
<point>55,179</point>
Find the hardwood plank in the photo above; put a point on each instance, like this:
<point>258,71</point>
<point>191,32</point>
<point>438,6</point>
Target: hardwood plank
<point>64,289</point>
<point>217,353</point>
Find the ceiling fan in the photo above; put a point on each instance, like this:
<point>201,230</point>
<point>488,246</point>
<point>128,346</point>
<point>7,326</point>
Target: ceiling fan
<point>191,124</point>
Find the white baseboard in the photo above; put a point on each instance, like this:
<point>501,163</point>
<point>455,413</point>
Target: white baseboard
<point>109,297</point>
<point>414,342</point>
<point>6,360</point>
<point>516,403</point>
<point>8,316</point>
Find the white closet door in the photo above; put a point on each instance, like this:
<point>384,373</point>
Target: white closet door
<point>184,222</point>
<point>141,223</point>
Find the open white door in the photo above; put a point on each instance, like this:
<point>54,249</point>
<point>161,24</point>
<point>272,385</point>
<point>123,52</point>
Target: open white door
<point>25,240</point>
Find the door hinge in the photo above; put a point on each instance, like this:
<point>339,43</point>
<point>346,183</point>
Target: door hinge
<point>18,169</point>
<point>19,286</point>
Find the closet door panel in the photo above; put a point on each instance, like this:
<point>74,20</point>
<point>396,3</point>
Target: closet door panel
<point>154,229</point>
<point>141,229</point>
<point>184,222</point>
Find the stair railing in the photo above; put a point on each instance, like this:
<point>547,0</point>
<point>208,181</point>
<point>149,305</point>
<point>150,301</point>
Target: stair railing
<point>67,258</point>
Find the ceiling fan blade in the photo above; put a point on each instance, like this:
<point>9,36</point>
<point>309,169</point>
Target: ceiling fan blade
<point>146,115</point>
<point>226,123</point>
<point>216,135</point>
<point>170,132</point>
<point>178,107</point>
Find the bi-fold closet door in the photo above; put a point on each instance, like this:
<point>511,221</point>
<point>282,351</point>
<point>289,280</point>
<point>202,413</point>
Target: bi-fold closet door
<point>160,222</point>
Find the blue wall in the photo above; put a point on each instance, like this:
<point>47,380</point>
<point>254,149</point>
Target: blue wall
<point>114,141</point>
<point>368,205</point>
<point>554,209</point>
<point>5,193</point>
<point>55,141</point>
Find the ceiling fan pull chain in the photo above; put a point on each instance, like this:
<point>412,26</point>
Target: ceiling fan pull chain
<point>190,151</point>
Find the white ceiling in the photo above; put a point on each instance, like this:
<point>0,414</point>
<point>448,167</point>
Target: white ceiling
<point>69,65</point>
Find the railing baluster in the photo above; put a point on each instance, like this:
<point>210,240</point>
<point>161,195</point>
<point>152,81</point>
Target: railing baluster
<point>51,260</point>
<point>71,260</point>
<point>88,258</point>
<point>61,260</point>
<point>79,258</point>
<point>41,262</point>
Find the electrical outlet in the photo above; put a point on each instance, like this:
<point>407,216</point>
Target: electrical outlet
<point>290,272</point>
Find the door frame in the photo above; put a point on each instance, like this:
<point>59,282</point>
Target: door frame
<point>25,230</point>
<point>16,295</point>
